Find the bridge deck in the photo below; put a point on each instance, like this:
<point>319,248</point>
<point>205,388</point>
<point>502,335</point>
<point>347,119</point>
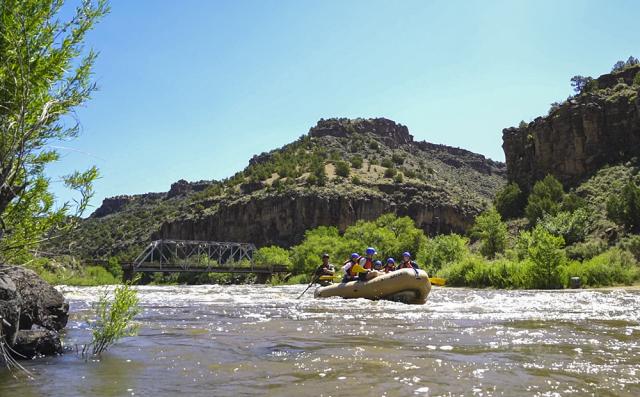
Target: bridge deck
<point>154,268</point>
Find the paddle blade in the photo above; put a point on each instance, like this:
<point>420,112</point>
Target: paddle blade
<point>437,281</point>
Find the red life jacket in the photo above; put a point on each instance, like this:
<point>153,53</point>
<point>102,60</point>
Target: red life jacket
<point>368,264</point>
<point>406,265</point>
<point>389,268</point>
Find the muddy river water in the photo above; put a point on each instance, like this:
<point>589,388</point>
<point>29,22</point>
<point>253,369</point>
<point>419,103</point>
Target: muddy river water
<point>260,341</point>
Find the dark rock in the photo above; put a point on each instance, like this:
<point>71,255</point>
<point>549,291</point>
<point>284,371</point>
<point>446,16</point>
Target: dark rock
<point>282,219</point>
<point>41,303</point>
<point>389,132</point>
<point>182,187</point>
<point>27,300</point>
<point>250,187</point>
<point>111,205</point>
<point>34,343</point>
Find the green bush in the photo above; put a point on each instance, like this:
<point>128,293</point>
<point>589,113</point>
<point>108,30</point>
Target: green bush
<point>390,172</point>
<point>586,250</point>
<point>399,178</point>
<point>491,232</point>
<point>632,244</point>
<point>397,158</point>
<point>612,267</point>
<point>306,255</point>
<point>545,198</point>
<point>442,250</point>
<point>624,209</point>
<point>572,226</point>
<point>636,79</point>
<point>269,256</point>
<point>342,169</point>
<point>510,201</point>
<point>410,174</point>
<point>387,163</point>
<point>356,162</point>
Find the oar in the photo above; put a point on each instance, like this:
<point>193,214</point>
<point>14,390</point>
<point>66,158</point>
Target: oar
<point>313,280</point>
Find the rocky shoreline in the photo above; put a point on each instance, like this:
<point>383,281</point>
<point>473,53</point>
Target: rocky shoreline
<point>32,313</point>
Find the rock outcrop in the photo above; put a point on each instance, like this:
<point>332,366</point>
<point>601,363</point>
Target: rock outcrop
<point>580,136</point>
<point>389,132</point>
<point>27,301</point>
<point>282,219</point>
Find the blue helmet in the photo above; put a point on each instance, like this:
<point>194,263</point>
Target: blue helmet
<point>377,265</point>
<point>406,253</point>
<point>371,251</point>
<point>355,255</point>
<point>391,260</point>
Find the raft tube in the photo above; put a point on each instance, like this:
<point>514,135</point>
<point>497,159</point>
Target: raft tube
<point>401,285</point>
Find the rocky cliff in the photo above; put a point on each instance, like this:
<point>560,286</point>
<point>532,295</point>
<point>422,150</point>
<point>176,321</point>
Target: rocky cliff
<point>600,126</point>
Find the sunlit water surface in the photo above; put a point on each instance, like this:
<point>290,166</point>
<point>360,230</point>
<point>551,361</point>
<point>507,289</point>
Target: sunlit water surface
<point>260,340</point>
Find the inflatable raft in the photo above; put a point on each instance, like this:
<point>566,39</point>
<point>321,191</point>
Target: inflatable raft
<point>401,286</point>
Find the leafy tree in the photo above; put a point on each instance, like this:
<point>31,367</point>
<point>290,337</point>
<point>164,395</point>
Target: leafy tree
<point>510,201</point>
<point>581,84</point>
<point>621,65</point>
<point>624,209</point>
<point>342,169</point>
<point>547,257</point>
<point>44,76</point>
<point>306,255</point>
<point>572,226</point>
<point>273,255</point>
<point>491,231</point>
<point>545,198</point>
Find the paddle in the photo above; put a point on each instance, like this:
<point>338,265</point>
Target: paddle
<point>313,280</point>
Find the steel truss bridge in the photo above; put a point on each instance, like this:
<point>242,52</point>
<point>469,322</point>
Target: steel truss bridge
<point>187,256</point>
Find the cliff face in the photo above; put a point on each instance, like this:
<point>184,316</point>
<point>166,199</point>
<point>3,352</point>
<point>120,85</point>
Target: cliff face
<point>580,136</point>
<point>282,219</point>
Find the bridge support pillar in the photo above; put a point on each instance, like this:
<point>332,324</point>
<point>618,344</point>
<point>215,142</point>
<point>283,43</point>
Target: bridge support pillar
<point>127,273</point>
<point>263,278</point>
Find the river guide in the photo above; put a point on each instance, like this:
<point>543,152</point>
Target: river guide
<point>406,285</point>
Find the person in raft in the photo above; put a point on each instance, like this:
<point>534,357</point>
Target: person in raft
<point>367,261</point>
<point>407,263</point>
<point>354,271</point>
<point>390,266</point>
<point>325,268</point>
<point>377,265</point>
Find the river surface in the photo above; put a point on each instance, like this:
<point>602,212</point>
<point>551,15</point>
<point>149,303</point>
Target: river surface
<point>261,341</point>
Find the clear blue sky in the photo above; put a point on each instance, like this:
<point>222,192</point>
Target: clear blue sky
<point>192,89</point>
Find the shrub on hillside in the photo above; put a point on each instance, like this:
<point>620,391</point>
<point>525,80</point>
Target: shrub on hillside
<point>342,169</point>
<point>356,162</point>
<point>397,158</point>
<point>399,178</point>
<point>390,172</point>
<point>624,209</point>
<point>545,198</point>
<point>388,163</point>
